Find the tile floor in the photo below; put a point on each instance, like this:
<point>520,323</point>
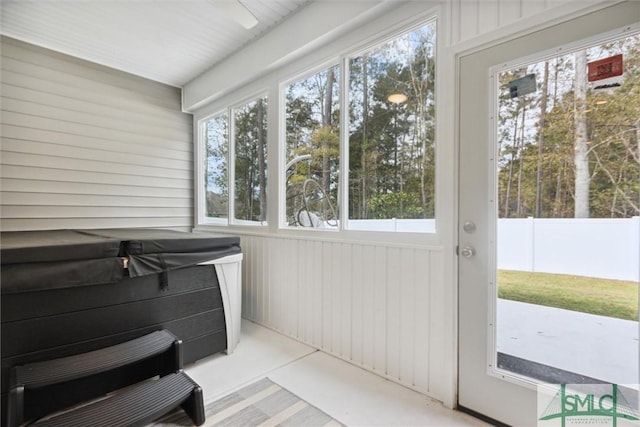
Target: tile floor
<point>351,395</point>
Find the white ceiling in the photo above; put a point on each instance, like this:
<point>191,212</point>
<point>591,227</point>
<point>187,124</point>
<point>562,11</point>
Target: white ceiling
<point>170,41</point>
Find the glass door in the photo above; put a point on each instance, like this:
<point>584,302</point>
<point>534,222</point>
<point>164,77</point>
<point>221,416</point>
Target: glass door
<point>549,216</point>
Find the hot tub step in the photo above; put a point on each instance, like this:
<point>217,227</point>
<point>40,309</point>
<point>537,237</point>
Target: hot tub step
<point>42,388</point>
<point>41,374</point>
<point>137,405</point>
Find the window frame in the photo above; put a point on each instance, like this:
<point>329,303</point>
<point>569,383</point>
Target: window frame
<point>282,142</point>
<point>200,156</point>
<point>337,52</point>
<point>200,182</point>
<point>345,58</point>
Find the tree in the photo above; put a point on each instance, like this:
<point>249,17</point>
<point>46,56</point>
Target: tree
<point>574,134</point>
<point>581,148</point>
<point>392,147</point>
<point>262,162</point>
<point>543,117</point>
<point>250,160</point>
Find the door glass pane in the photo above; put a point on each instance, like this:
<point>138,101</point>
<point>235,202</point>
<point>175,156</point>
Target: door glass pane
<point>568,227</point>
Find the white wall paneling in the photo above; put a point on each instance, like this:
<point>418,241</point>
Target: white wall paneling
<point>475,23</point>
<point>87,146</point>
<point>377,306</point>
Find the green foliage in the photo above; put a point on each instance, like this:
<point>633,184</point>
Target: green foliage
<point>216,166</point>
<point>612,298</point>
<point>613,128</point>
<point>250,161</point>
<point>399,205</point>
<point>392,146</point>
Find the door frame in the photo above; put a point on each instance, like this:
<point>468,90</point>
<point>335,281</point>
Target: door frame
<point>517,392</point>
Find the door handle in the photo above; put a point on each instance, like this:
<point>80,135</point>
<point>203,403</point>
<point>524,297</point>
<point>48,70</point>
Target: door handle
<point>468,252</point>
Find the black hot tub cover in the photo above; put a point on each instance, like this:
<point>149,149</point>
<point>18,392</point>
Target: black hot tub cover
<point>66,258</point>
<point>152,251</point>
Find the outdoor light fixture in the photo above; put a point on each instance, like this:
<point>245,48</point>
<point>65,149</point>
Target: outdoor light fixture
<point>397,98</point>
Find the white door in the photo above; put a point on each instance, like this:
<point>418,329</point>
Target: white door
<point>505,395</point>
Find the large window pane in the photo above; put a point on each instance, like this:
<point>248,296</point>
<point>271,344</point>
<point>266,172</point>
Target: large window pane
<point>216,131</point>
<point>250,145</point>
<point>312,150</point>
<point>392,135</point>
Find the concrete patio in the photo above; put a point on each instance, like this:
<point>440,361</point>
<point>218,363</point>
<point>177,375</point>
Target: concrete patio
<point>598,347</point>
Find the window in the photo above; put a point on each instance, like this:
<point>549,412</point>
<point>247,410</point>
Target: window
<point>250,158</point>
<point>392,134</point>
<point>216,182</point>
<point>358,145</point>
<point>244,163</point>
<point>312,122</point>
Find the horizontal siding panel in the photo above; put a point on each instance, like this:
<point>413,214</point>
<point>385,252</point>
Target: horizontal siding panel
<point>50,174</point>
<point>60,187</point>
<point>106,99</point>
<point>167,121</point>
<point>91,83</point>
<point>60,199</point>
<point>10,145</point>
<point>31,211</point>
<point>57,139</point>
<point>84,165</point>
<point>36,55</point>
<point>90,119</point>
<point>74,128</point>
<point>61,223</point>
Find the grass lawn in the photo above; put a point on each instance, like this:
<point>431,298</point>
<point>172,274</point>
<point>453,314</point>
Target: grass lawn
<point>612,298</point>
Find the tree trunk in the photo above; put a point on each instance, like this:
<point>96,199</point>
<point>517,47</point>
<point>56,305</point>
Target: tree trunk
<point>363,155</point>
<point>543,116</point>
<point>521,162</point>
<point>326,122</point>
<point>581,154</point>
<point>262,165</point>
<point>515,144</point>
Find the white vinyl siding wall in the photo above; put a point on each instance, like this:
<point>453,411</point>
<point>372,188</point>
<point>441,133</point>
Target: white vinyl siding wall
<point>85,146</point>
<point>380,307</point>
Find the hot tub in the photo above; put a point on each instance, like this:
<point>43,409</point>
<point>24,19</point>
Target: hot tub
<point>66,292</point>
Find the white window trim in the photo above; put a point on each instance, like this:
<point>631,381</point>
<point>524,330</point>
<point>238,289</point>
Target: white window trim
<point>282,139</point>
<point>400,20</point>
<point>200,158</point>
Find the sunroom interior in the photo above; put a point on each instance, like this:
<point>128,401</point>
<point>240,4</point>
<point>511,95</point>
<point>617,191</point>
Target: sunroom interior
<point>181,115</point>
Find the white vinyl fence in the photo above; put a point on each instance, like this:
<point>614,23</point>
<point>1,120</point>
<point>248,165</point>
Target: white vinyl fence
<point>600,247</point>
<point>604,248</point>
